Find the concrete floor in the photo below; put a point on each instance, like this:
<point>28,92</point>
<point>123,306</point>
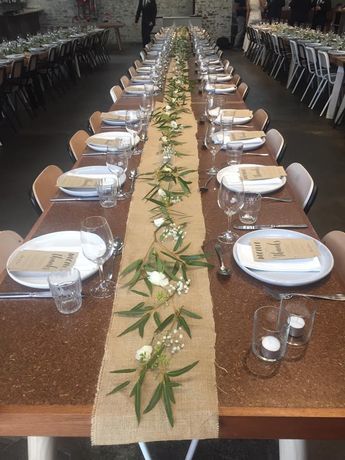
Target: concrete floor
<point>310,139</point>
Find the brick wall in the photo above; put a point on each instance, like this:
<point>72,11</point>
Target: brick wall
<point>216,14</point>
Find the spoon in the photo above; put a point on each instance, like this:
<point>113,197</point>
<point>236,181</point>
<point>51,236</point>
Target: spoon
<point>272,198</point>
<point>204,187</point>
<point>117,245</point>
<point>288,295</point>
<point>222,270</point>
<point>132,176</point>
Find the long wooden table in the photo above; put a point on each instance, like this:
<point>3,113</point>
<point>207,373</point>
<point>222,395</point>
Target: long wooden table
<point>50,362</point>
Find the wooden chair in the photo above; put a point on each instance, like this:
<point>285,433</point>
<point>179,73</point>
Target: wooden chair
<point>142,55</point>
<point>235,79</point>
<point>9,241</point>
<point>116,93</point>
<point>261,119</point>
<point>243,90</point>
<point>44,187</point>
<point>132,72</point>
<point>95,122</point>
<point>124,80</point>
<point>302,184</point>
<point>335,241</point>
<point>276,144</point>
<point>137,63</point>
<point>77,144</point>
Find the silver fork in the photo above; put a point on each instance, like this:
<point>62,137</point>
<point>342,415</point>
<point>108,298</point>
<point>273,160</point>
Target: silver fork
<point>272,198</point>
<point>288,295</point>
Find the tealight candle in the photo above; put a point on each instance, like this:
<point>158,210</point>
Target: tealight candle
<point>297,325</point>
<point>270,347</point>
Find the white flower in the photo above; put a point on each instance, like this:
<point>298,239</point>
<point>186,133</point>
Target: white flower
<point>144,353</point>
<point>161,193</point>
<point>158,278</point>
<point>158,222</point>
<point>173,124</point>
<point>164,139</point>
<point>167,108</point>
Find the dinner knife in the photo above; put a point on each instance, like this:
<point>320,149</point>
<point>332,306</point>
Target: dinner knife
<point>26,295</point>
<point>60,200</point>
<point>259,227</point>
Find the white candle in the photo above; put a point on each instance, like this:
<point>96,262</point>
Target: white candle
<point>297,325</point>
<point>270,347</point>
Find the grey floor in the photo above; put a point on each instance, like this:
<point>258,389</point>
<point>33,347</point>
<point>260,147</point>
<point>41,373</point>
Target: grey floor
<point>310,139</point>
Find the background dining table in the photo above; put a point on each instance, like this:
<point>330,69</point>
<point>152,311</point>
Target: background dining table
<point>50,362</point>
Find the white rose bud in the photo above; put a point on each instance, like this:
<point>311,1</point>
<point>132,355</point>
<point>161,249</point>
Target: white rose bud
<point>173,124</point>
<point>144,353</point>
<point>161,193</point>
<point>158,278</point>
<point>158,222</point>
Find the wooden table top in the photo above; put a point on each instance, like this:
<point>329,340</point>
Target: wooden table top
<point>50,362</point>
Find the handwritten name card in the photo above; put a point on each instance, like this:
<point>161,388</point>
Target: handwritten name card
<point>261,172</point>
<point>245,135</point>
<point>43,261</point>
<point>74,181</point>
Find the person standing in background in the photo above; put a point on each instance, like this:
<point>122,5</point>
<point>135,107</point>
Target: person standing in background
<point>299,11</point>
<point>320,9</point>
<point>274,9</point>
<point>241,13</point>
<point>148,11</point>
<point>254,16</point>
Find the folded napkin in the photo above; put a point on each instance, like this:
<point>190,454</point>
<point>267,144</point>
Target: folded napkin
<point>246,137</point>
<point>94,140</point>
<point>113,116</point>
<point>220,88</point>
<point>144,69</point>
<point>245,255</point>
<point>233,180</point>
<point>134,89</point>
<point>241,113</point>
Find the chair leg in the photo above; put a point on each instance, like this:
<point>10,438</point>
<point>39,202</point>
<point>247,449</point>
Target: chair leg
<point>144,451</point>
<point>192,448</point>
<point>298,80</point>
<point>40,448</point>
<point>292,449</point>
<point>319,91</point>
<point>308,86</point>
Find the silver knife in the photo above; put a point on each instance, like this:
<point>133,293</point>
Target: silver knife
<point>259,227</point>
<point>26,295</point>
<point>60,200</point>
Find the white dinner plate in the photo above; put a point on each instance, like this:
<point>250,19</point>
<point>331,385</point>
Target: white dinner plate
<point>15,56</point>
<point>135,90</point>
<point>114,113</point>
<point>248,144</point>
<point>221,88</point>
<point>337,52</point>
<point>112,135</point>
<point>96,172</point>
<point>59,241</point>
<point>285,278</point>
<point>254,186</point>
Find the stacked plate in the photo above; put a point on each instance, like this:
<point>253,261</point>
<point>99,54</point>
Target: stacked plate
<point>248,144</point>
<point>116,140</point>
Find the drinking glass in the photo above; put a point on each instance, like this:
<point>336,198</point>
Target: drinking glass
<point>117,163</point>
<point>134,126</point>
<point>65,286</point>
<point>233,151</point>
<point>97,243</point>
<point>230,201</point>
<point>213,107</point>
<point>107,190</point>
<point>250,209</point>
<point>214,142</point>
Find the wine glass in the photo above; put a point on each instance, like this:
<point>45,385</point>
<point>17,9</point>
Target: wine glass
<point>213,107</point>
<point>97,243</point>
<point>134,126</point>
<point>117,163</point>
<point>230,201</point>
<point>214,142</point>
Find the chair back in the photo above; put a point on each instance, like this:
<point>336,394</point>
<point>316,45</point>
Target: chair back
<point>312,61</point>
<point>261,119</point>
<point>124,80</point>
<point>16,69</point>
<point>115,93</point>
<point>9,241</point>
<point>32,64</point>
<point>294,52</point>
<point>95,122</point>
<point>142,55</point>
<point>325,66</point>
<point>52,54</point>
<point>132,72</point>
<point>243,90</point>
<point>2,75</point>
<point>77,144</point>
<point>137,63</point>
<point>276,144</point>
<point>302,184</point>
<point>335,241</point>
<point>235,79</point>
<point>44,187</point>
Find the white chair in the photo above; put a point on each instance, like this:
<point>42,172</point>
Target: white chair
<point>314,71</point>
<point>276,144</point>
<point>132,72</point>
<point>335,241</point>
<point>9,241</point>
<point>297,68</point>
<point>326,76</point>
<point>302,184</point>
<point>115,93</point>
<point>142,55</point>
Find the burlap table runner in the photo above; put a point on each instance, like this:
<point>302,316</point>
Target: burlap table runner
<point>196,408</point>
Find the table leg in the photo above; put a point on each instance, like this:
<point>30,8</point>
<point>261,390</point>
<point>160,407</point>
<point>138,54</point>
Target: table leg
<point>340,111</point>
<point>192,447</point>
<point>40,448</point>
<point>292,449</point>
<point>118,38</point>
<point>144,450</point>
<point>335,92</point>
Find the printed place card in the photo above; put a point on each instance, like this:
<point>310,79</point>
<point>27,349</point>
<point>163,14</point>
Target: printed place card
<point>261,172</point>
<point>42,261</point>
<point>101,141</point>
<point>240,113</point>
<point>112,116</point>
<point>283,249</point>
<point>245,135</point>
<point>73,181</point>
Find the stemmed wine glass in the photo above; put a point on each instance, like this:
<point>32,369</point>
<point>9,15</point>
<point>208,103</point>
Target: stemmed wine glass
<point>134,126</point>
<point>214,142</point>
<point>230,201</point>
<point>117,163</point>
<point>213,107</point>
<point>97,243</point>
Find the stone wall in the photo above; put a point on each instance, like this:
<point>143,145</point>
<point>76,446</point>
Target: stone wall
<point>216,14</point>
